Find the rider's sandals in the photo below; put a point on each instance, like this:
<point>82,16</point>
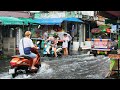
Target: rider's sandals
<point>34,68</point>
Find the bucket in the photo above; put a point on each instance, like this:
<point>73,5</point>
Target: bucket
<point>75,46</point>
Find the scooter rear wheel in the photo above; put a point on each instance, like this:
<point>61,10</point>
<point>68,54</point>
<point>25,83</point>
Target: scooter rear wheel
<point>15,74</point>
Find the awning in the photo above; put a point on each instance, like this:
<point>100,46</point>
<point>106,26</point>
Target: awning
<point>10,21</point>
<point>110,14</point>
<point>27,21</point>
<point>56,21</point>
<point>115,13</point>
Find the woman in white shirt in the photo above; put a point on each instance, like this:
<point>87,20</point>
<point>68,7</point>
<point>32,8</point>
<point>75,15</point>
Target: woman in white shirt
<point>65,44</point>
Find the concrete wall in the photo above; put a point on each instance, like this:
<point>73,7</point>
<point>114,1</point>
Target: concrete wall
<point>9,46</point>
<point>50,14</point>
<point>19,34</point>
<point>59,14</point>
<point>15,14</point>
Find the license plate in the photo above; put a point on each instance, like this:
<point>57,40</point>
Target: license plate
<point>11,71</point>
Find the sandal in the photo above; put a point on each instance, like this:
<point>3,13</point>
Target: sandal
<point>34,68</point>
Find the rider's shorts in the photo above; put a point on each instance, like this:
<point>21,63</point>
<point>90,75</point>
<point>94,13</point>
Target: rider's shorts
<point>32,55</point>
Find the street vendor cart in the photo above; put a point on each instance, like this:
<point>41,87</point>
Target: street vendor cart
<point>101,46</point>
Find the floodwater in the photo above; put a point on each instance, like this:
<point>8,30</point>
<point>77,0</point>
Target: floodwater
<point>72,67</point>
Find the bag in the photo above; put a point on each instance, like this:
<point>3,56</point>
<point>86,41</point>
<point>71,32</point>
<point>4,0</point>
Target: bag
<point>27,50</point>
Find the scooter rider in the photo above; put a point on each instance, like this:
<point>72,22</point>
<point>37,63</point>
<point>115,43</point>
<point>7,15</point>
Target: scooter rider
<point>25,46</point>
<point>54,41</point>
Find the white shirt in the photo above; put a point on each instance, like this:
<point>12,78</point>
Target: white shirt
<point>53,31</point>
<point>61,34</point>
<point>65,43</point>
<point>70,38</point>
<point>45,35</point>
<point>27,43</point>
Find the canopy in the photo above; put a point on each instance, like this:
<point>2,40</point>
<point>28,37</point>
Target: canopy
<point>10,21</point>
<point>110,14</point>
<point>55,21</point>
<point>115,13</point>
<point>27,21</point>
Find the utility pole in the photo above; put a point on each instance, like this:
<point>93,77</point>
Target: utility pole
<point>118,33</point>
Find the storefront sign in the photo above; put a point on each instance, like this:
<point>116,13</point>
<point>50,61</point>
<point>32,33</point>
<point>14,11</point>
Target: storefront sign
<point>85,17</point>
<point>89,13</point>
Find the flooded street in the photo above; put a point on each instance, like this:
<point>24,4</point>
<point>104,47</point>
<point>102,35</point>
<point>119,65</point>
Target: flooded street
<point>79,67</point>
<point>72,67</point>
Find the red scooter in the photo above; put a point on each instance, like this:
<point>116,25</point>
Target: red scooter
<point>24,63</point>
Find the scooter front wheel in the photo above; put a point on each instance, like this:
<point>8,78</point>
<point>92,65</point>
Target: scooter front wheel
<point>14,75</point>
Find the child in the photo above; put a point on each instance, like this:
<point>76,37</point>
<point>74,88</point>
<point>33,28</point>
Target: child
<point>65,44</point>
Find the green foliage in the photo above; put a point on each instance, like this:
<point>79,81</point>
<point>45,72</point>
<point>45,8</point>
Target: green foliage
<point>102,27</point>
<point>2,57</point>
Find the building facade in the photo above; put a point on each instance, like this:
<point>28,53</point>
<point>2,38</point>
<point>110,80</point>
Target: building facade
<point>83,30</point>
<point>11,34</point>
<point>24,14</point>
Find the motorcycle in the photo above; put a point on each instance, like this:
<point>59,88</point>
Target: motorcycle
<point>48,50</point>
<point>23,63</point>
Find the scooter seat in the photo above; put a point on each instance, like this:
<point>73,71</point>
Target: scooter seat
<point>26,57</point>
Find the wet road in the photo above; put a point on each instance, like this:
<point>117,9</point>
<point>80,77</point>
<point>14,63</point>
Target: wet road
<point>73,67</point>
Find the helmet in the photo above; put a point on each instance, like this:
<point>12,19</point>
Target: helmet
<point>55,35</point>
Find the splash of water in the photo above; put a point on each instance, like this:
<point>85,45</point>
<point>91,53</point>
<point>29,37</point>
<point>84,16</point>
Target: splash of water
<point>44,70</point>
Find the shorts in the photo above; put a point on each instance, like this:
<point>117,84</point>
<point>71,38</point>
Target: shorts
<point>32,55</point>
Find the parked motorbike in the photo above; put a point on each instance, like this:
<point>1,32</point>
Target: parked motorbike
<point>24,63</point>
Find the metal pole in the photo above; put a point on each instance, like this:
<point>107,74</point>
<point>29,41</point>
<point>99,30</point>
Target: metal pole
<point>118,44</point>
<point>23,29</point>
<point>118,34</point>
<point>89,30</point>
<point>1,36</point>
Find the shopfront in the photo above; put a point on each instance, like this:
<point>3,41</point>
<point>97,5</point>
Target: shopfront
<point>69,25</point>
<point>66,23</point>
